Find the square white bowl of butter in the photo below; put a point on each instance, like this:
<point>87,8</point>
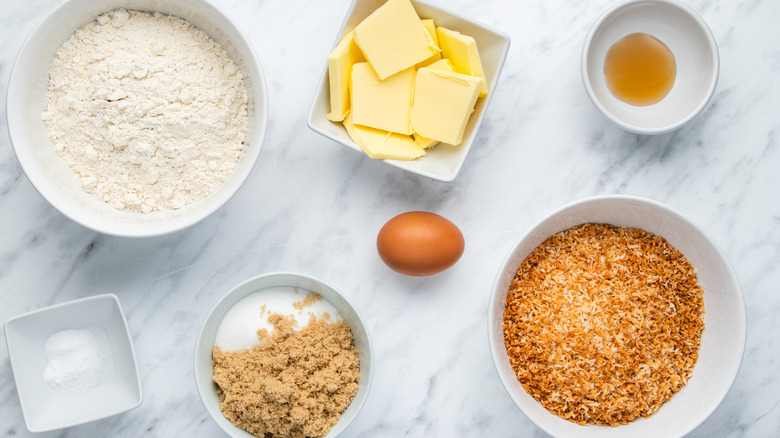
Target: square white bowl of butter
<point>442,162</point>
<point>73,363</point>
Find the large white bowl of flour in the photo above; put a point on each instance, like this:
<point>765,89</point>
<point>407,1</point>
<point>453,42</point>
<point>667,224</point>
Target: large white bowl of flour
<point>52,175</point>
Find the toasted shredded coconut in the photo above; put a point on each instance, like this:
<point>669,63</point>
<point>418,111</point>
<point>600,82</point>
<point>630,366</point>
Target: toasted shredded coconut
<point>603,324</point>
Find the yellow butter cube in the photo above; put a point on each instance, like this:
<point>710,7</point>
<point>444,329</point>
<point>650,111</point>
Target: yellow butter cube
<point>462,51</point>
<point>340,62</point>
<point>393,38</point>
<point>443,102</point>
<point>430,27</point>
<point>424,143</point>
<point>382,104</point>
<point>383,144</point>
<point>440,65</point>
<point>443,65</point>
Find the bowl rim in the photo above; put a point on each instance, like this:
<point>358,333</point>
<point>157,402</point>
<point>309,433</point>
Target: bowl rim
<point>201,385</point>
<point>496,342</point>
<point>64,204</point>
<point>586,79</point>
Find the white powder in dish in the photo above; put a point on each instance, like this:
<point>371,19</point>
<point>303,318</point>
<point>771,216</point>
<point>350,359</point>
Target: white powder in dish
<point>76,362</point>
<point>239,326</point>
<point>146,110</point>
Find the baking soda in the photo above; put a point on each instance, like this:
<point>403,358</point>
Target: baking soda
<point>76,361</point>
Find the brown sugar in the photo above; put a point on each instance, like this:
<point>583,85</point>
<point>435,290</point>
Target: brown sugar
<point>294,383</point>
<point>603,324</point>
<point>308,300</point>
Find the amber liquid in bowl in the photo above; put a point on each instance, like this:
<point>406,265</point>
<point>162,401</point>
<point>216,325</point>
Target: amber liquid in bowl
<point>640,69</point>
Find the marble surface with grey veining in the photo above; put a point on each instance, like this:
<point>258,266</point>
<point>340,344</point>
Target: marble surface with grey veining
<point>314,206</point>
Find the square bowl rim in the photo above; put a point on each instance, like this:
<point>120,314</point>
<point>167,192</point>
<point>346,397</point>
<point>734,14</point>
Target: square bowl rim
<point>125,334</point>
<point>314,121</point>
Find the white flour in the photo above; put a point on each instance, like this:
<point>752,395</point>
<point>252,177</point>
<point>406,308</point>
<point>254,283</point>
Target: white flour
<point>147,111</point>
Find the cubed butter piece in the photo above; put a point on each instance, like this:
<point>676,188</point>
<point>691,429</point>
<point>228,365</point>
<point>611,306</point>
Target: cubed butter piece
<point>443,65</point>
<point>462,51</point>
<point>393,38</point>
<point>430,27</point>
<point>443,103</point>
<point>340,62</point>
<point>424,143</point>
<point>383,144</point>
<point>440,65</point>
<point>382,104</point>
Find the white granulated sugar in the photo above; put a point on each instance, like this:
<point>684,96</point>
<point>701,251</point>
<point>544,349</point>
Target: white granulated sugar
<point>146,110</point>
<point>239,326</point>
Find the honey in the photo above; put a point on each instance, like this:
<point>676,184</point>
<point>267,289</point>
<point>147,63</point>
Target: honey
<point>640,69</point>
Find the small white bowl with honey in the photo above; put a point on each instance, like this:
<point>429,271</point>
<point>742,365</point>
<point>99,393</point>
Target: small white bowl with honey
<point>650,66</point>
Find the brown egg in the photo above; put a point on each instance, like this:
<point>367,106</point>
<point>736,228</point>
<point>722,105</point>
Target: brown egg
<point>419,243</point>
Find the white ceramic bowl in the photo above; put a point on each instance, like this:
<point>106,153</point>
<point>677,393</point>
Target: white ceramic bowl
<point>27,100</point>
<point>47,405</point>
<point>204,371</point>
<point>694,49</point>
<point>442,162</point>
<point>723,339</point>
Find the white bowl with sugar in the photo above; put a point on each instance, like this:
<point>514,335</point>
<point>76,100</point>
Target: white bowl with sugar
<point>234,320</point>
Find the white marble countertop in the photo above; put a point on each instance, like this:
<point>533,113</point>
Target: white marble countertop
<point>315,207</point>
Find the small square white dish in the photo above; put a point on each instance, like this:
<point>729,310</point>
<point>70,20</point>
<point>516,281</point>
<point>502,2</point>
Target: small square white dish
<point>71,383</point>
<point>444,161</point>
